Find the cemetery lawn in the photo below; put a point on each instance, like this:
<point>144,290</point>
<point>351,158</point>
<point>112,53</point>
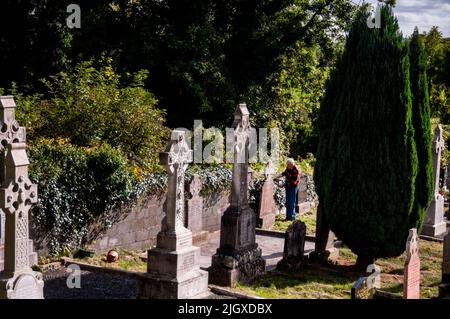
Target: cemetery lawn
<point>309,218</point>
<point>128,260</point>
<point>335,281</point>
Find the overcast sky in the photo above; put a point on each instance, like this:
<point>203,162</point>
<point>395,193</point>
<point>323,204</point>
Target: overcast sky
<point>421,13</point>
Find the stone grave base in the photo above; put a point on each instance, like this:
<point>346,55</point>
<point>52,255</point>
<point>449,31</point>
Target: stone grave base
<point>191,285</point>
<point>174,274</point>
<point>434,230</point>
<point>27,284</point>
<point>227,270</point>
<point>33,256</point>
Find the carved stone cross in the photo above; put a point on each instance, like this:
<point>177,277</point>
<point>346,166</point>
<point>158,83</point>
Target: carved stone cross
<point>438,146</point>
<point>175,159</point>
<point>10,131</point>
<point>241,126</point>
<point>17,195</point>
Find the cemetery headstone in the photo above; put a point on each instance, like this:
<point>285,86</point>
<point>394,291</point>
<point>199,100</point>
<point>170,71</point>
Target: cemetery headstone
<point>304,202</point>
<point>267,208</point>
<point>173,270</point>
<point>324,250</point>
<point>238,258</point>
<point>294,247</point>
<point>434,224</point>
<point>444,288</point>
<point>194,210</point>
<point>17,195</point>
<point>411,280</point>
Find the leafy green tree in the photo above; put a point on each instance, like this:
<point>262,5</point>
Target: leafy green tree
<point>367,161</point>
<point>424,186</point>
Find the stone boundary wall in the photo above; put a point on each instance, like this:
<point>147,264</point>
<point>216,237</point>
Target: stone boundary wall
<point>137,229</point>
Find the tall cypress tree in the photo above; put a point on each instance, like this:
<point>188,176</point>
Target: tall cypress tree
<point>366,160</point>
<point>421,121</point>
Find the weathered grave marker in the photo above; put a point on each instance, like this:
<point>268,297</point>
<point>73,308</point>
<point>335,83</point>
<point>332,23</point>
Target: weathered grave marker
<point>434,224</point>
<point>173,270</point>
<point>238,258</point>
<point>266,208</point>
<point>411,281</point>
<point>294,247</point>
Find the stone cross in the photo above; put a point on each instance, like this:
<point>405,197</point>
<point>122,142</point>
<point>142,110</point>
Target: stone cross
<point>17,195</point>
<point>411,281</point>
<point>10,131</point>
<point>175,159</point>
<point>438,146</point>
<point>241,128</point>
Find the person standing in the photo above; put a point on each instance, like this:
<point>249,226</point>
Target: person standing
<point>292,178</point>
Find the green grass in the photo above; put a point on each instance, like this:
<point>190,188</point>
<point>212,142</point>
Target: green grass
<point>335,281</point>
<point>128,260</point>
<point>309,218</point>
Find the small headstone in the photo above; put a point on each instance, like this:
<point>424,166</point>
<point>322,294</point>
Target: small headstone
<point>411,281</point>
<point>194,210</point>
<point>434,224</point>
<point>294,247</point>
<point>267,208</point>
<point>361,290</point>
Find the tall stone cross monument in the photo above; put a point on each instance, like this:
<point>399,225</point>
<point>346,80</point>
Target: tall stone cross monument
<point>17,194</point>
<point>173,270</point>
<point>434,224</point>
<point>238,258</point>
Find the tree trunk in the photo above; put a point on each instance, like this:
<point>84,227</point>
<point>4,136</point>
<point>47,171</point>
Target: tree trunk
<point>362,262</point>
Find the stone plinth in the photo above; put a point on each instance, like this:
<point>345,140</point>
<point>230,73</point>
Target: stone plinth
<point>174,274</point>
<point>238,258</point>
<point>434,224</point>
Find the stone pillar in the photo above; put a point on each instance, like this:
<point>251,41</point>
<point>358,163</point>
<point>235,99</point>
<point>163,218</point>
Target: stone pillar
<point>324,249</point>
<point>434,224</point>
<point>238,258</point>
<point>266,207</point>
<point>411,275</point>
<point>194,211</point>
<point>17,194</point>
<point>173,270</point>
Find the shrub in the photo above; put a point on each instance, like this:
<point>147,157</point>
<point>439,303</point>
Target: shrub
<point>76,186</point>
<point>89,107</point>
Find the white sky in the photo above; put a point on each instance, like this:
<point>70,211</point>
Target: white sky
<point>421,13</point>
